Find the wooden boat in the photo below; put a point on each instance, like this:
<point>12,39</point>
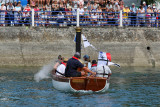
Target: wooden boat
<point>77,84</point>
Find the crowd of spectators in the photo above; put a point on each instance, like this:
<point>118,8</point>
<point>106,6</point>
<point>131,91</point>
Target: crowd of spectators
<point>92,12</point>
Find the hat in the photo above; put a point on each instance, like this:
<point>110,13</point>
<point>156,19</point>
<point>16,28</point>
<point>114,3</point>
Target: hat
<point>144,2</point>
<point>2,3</point>
<point>116,3</point>
<point>77,55</point>
<point>94,62</point>
<point>154,6</point>
<point>149,5</point>
<point>65,59</point>
<point>85,7</point>
<point>86,56</point>
<point>133,4</point>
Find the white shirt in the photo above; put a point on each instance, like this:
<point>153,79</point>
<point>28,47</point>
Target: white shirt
<point>103,69</point>
<point>3,8</point>
<point>94,69</point>
<point>48,8</point>
<point>17,8</point>
<point>94,16</point>
<point>61,68</point>
<point>81,11</point>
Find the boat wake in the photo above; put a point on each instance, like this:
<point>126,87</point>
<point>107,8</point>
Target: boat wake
<point>84,91</point>
<point>44,73</point>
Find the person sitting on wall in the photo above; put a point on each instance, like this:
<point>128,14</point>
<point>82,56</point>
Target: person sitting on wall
<point>73,64</point>
<point>60,19</point>
<point>61,68</point>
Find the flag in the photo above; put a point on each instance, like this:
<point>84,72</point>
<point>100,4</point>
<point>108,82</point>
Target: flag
<point>111,63</point>
<point>86,43</point>
<point>105,59</point>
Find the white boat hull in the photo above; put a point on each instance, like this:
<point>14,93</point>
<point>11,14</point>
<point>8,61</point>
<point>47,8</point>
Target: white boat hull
<point>66,87</point>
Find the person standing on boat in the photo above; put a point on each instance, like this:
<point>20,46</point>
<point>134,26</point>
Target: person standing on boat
<point>58,62</point>
<point>61,68</point>
<point>73,64</point>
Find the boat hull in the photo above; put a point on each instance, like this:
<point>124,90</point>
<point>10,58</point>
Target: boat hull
<point>78,84</point>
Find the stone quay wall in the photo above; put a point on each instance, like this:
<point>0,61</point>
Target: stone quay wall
<point>37,46</point>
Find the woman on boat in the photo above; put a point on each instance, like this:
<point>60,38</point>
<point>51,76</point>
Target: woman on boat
<point>61,68</point>
<point>58,62</point>
<point>73,64</point>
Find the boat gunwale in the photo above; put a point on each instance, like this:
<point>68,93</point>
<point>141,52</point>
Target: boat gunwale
<point>67,79</point>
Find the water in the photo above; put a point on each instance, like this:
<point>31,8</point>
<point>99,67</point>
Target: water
<point>129,86</point>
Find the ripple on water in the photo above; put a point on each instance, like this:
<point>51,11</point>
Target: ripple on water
<point>128,87</point>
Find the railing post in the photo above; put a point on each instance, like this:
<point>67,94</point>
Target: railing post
<point>121,19</point>
<point>32,17</point>
<point>77,17</point>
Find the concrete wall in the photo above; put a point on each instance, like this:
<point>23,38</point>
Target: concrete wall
<point>129,2</point>
<point>23,46</point>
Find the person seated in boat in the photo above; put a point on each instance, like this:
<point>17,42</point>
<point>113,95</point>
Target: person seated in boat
<point>61,68</point>
<point>58,62</point>
<point>73,64</point>
<point>94,66</point>
<point>86,59</point>
<point>103,71</point>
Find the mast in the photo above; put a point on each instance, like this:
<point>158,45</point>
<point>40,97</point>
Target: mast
<point>78,35</point>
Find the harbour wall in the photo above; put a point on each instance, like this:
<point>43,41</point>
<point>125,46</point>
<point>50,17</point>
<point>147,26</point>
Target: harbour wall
<point>36,46</point>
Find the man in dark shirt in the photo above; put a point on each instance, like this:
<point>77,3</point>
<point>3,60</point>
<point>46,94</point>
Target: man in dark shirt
<point>73,64</point>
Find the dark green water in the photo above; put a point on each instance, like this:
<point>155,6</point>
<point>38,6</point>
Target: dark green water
<point>129,87</point>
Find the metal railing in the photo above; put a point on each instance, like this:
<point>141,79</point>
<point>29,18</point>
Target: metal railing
<point>69,18</point>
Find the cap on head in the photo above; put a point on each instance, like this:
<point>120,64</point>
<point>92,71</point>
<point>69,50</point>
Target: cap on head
<point>144,2</point>
<point>86,56</point>
<point>133,4</point>
<point>77,55</point>
<point>154,6</point>
<point>94,62</point>
<point>116,3</point>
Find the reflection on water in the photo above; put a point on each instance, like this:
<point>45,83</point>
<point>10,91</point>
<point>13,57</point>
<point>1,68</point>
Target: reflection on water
<point>129,86</point>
